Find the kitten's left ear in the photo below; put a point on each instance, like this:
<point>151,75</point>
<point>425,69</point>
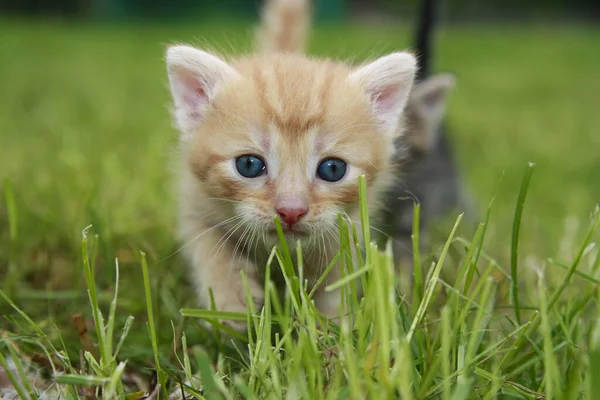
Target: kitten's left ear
<point>387,81</point>
<point>194,77</point>
<point>428,101</point>
<point>431,96</point>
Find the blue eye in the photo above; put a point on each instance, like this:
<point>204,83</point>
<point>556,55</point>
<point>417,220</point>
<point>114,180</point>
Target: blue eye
<point>250,166</point>
<point>331,169</point>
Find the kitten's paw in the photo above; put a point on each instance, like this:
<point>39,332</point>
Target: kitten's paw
<point>329,304</point>
<point>233,299</point>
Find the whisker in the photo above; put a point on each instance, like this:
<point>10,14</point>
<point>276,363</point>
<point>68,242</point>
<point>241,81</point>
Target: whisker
<point>392,237</point>
<point>199,235</point>
<point>226,236</point>
<point>254,239</point>
<point>227,200</point>
<point>360,224</point>
<point>323,257</point>
<point>238,243</point>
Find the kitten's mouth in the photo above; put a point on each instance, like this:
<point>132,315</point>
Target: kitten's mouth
<point>289,232</point>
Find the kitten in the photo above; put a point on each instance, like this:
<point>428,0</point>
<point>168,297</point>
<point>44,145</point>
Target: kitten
<point>278,134</point>
<point>428,173</point>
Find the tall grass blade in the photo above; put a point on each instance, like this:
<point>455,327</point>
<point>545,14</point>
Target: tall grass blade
<point>514,248</point>
<point>432,281</point>
<point>91,285</point>
<point>151,327</point>
<point>18,384</point>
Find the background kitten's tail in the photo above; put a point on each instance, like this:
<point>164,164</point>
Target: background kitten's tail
<point>424,37</point>
<point>284,25</point>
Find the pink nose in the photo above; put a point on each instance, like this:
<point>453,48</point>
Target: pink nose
<point>291,215</point>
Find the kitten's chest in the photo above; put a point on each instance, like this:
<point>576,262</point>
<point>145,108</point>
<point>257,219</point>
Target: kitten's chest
<point>315,260</point>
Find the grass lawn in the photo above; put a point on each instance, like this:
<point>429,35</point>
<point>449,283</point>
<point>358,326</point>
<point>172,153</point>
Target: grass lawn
<point>86,139</point>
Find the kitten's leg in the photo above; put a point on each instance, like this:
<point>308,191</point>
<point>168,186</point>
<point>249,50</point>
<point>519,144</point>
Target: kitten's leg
<point>403,252</point>
<point>215,269</point>
<point>329,303</point>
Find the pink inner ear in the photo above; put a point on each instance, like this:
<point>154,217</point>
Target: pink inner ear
<point>386,99</point>
<point>194,95</point>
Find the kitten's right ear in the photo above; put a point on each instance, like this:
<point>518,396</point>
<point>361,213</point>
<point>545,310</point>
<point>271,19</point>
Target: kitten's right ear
<point>387,82</point>
<point>194,78</point>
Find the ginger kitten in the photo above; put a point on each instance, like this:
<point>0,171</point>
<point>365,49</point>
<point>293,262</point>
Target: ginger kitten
<point>278,134</point>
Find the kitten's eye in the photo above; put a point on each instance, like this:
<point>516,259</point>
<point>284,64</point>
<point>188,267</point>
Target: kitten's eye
<point>250,166</point>
<point>331,169</point>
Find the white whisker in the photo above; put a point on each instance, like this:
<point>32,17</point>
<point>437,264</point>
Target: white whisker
<point>200,235</point>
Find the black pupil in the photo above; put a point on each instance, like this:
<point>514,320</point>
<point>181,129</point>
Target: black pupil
<point>334,167</point>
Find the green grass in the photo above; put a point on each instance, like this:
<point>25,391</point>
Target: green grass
<point>86,139</point>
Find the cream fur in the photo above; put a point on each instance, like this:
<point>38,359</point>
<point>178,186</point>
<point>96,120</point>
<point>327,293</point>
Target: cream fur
<point>388,81</point>
<point>194,78</point>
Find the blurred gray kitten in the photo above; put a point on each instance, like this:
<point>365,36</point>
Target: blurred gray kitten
<point>426,169</point>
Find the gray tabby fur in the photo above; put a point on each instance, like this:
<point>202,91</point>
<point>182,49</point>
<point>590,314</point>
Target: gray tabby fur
<point>427,172</point>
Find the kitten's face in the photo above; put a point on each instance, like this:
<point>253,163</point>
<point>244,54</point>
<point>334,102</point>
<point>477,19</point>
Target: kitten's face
<point>289,137</point>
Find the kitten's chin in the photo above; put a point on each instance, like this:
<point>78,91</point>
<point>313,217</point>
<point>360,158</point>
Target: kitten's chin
<point>291,235</point>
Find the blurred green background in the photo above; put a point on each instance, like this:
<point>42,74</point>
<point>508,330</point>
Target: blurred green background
<point>86,135</point>
<point>325,9</point>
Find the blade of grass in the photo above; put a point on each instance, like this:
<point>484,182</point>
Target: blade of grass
<point>91,285</point>
<point>551,374</point>
<point>347,279</point>
<point>432,282</point>
<point>124,333</point>
<point>364,212</point>
<point>152,329</point>
<point>593,228</point>
<point>514,248</point>
<point>585,276</point>
<point>287,265</point>
<point>19,386</point>
<point>208,378</point>
<point>417,267</point>
<point>114,385</point>
<point>29,321</point>
<point>576,372</point>
<point>16,359</point>
<point>324,275</point>
<point>82,380</point>
<point>446,356</point>
<point>212,316</point>
<point>110,324</point>
<point>593,383</point>
<point>522,339</point>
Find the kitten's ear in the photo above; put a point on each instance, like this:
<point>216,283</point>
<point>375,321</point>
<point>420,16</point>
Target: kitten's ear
<point>194,78</point>
<point>428,100</point>
<point>431,97</point>
<point>387,81</point>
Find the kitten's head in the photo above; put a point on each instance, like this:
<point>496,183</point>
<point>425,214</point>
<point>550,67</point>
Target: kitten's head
<point>284,135</point>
